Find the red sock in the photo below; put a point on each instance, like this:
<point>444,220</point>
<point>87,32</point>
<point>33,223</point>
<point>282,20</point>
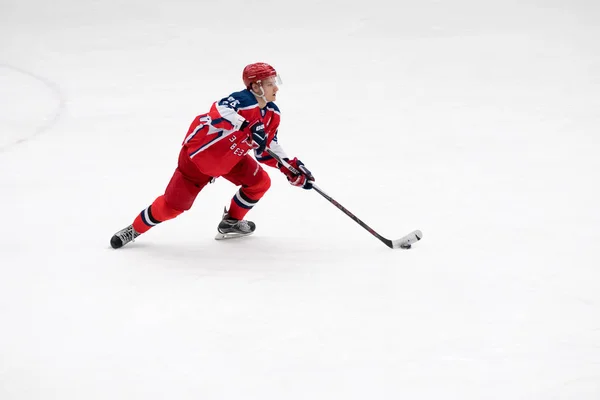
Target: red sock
<point>156,213</point>
<point>241,203</point>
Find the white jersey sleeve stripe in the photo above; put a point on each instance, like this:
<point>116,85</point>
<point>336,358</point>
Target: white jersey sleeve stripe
<point>277,149</point>
<point>230,115</point>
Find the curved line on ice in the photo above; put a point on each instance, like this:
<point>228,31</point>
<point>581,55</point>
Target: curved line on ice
<point>50,122</point>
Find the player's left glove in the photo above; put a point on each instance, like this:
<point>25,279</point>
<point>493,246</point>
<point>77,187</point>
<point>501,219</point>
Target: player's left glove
<point>304,179</point>
<point>256,134</point>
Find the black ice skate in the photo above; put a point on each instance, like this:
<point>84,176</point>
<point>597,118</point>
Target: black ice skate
<point>123,237</point>
<point>230,228</point>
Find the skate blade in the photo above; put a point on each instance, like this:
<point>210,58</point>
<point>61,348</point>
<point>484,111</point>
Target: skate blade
<point>232,235</point>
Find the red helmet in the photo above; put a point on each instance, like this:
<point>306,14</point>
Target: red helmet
<point>257,72</point>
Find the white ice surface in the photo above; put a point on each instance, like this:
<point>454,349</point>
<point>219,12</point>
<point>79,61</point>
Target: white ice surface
<point>475,121</point>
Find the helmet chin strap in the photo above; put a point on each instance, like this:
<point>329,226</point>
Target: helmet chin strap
<point>261,94</point>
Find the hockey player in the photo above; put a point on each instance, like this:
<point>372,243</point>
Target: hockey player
<point>218,144</point>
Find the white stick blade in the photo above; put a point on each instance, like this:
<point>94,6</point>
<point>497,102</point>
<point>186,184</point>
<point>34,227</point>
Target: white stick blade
<point>407,241</point>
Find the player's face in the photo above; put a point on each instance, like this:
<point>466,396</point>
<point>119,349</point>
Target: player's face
<point>270,88</point>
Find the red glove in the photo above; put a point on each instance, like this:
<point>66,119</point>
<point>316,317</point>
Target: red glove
<point>304,179</point>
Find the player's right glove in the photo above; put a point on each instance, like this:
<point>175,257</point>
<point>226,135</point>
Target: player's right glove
<point>304,179</point>
<point>256,133</point>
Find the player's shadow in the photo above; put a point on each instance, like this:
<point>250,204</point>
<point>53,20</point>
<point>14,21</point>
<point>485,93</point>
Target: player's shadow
<point>249,253</point>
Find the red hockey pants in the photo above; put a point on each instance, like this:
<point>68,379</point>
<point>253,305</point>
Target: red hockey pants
<point>187,181</point>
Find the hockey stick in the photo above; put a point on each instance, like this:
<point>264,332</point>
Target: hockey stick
<point>404,242</point>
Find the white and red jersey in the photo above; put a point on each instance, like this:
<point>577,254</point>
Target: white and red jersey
<point>214,141</point>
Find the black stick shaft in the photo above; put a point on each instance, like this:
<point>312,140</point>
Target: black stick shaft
<point>354,217</point>
<point>387,242</point>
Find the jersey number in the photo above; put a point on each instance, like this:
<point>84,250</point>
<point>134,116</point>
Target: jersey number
<point>236,150</point>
